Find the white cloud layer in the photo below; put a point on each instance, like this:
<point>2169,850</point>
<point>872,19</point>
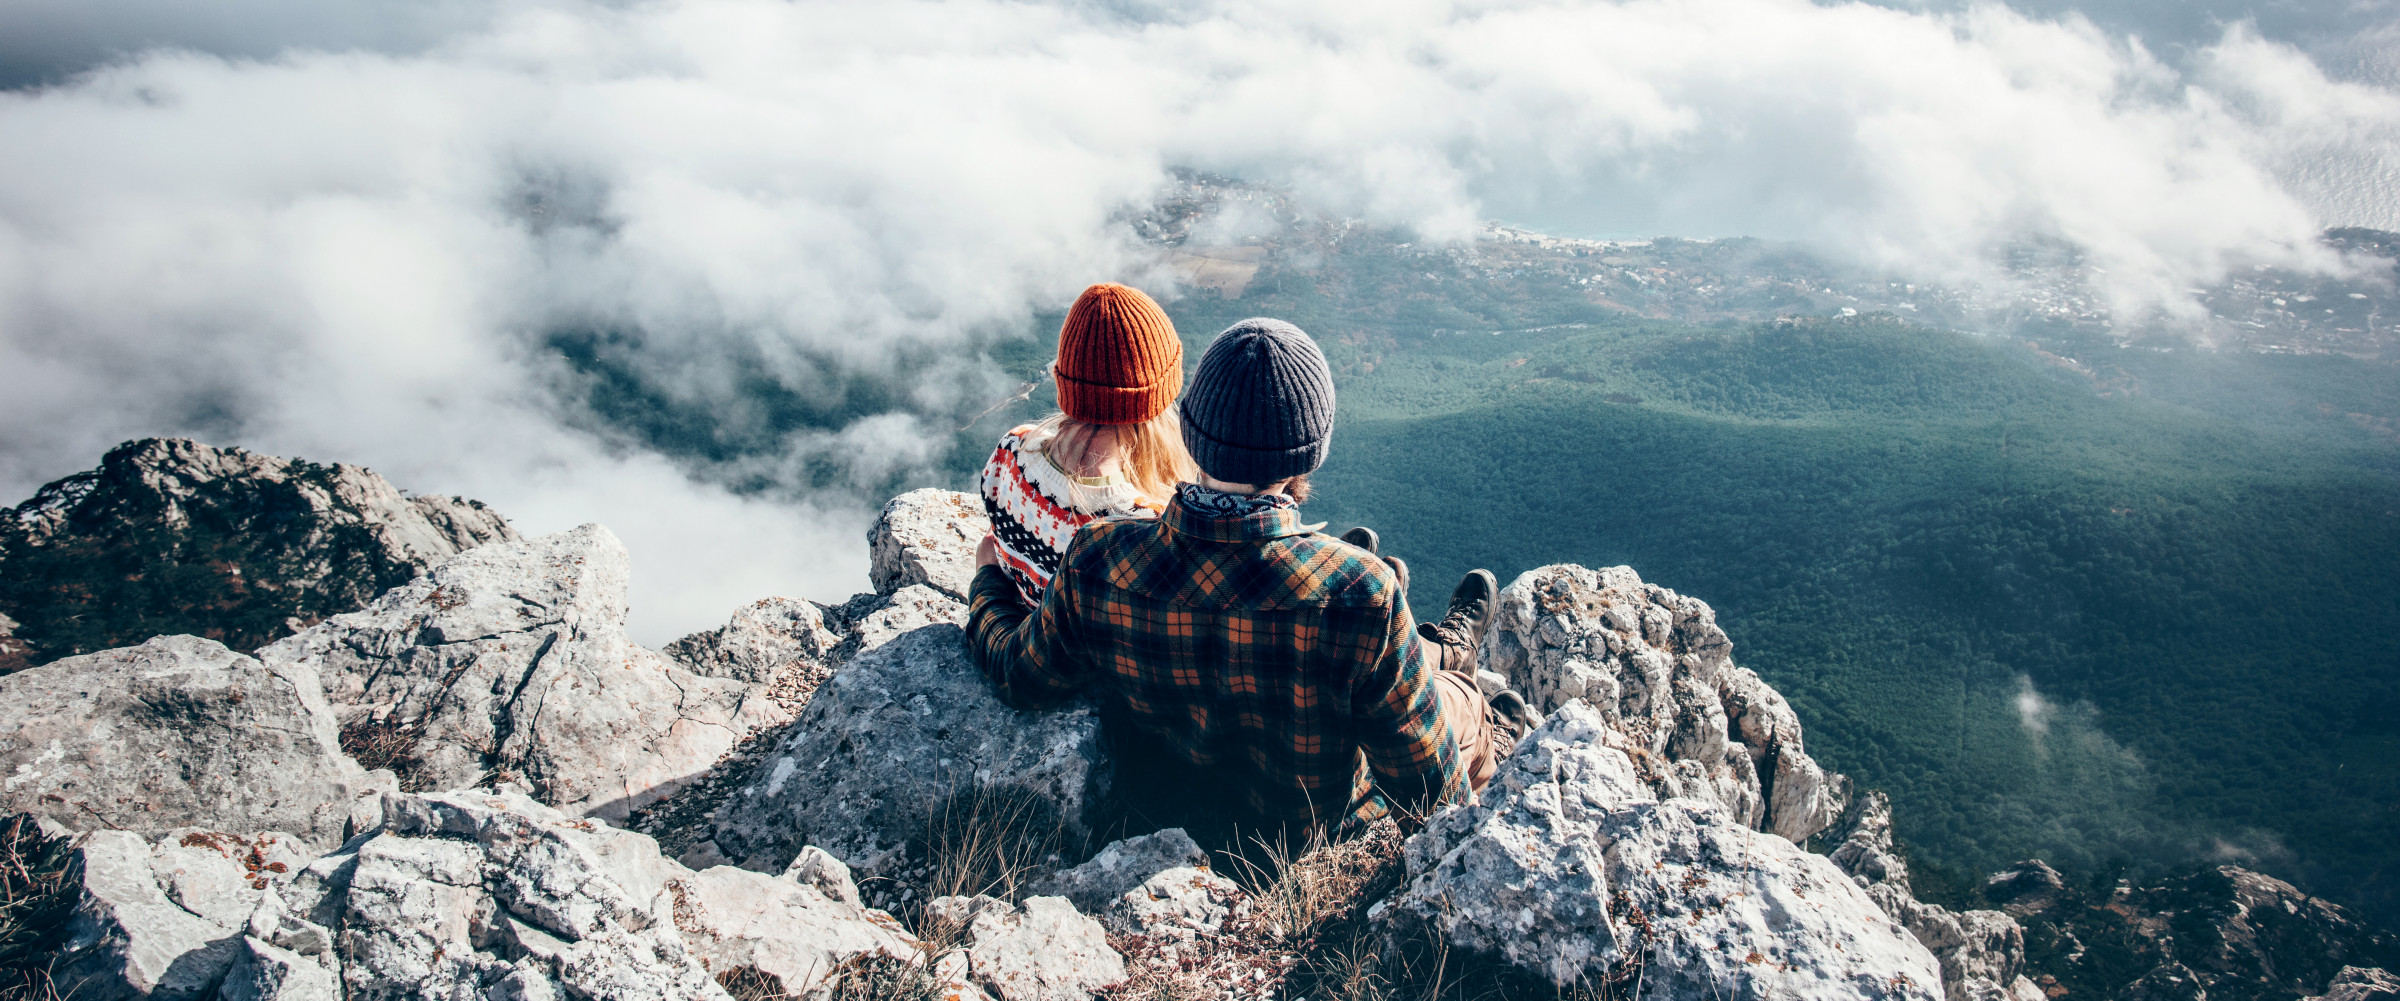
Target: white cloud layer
<point>363,251</point>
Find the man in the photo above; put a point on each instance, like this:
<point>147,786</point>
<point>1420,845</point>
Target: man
<point>1244,662</point>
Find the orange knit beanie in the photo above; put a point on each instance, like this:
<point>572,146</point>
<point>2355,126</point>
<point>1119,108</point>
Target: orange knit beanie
<point>1119,361</point>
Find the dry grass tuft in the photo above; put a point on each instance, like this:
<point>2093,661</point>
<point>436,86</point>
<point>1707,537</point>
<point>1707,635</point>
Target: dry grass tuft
<point>978,841</point>
<point>874,976</point>
<point>37,879</point>
<point>749,983</point>
<point>385,743</point>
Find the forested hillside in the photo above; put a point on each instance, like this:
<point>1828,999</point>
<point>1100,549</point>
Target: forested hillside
<point>2112,607</point>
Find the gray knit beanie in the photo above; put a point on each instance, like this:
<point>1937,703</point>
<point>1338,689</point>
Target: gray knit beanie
<point>1260,407</point>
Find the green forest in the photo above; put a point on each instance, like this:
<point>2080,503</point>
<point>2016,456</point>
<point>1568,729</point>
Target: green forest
<point>2116,608</point>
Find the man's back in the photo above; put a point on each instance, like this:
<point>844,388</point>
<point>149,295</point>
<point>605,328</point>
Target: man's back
<point>1282,661</point>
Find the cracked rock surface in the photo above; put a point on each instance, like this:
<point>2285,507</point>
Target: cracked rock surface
<point>908,731</point>
<point>1982,953</point>
<point>1655,664</point>
<point>1571,868</point>
<point>510,664</point>
<point>458,895</point>
<point>177,731</point>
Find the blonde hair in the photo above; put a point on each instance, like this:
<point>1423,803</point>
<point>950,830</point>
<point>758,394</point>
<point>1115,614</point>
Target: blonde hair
<point>1150,455</point>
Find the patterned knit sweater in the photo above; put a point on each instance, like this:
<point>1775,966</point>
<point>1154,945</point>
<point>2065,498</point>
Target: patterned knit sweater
<point>1036,506</point>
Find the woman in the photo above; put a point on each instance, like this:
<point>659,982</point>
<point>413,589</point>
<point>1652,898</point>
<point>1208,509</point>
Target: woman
<point>1113,449</point>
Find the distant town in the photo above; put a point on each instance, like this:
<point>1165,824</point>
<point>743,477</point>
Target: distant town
<point>1223,236</point>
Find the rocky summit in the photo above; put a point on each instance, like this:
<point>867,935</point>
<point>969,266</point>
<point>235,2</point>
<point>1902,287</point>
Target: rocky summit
<point>173,536</point>
<point>472,784</point>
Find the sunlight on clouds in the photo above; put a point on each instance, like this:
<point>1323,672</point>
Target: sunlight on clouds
<point>373,254</point>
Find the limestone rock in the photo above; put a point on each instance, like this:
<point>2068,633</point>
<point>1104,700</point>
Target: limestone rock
<point>764,640</point>
<point>1568,867</point>
<point>815,867</point>
<point>263,972</point>
<point>909,731</point>
<point>1119,868</point>
<point>178,731</point>
<point>927,537</point>
<point>1657,667</point>
<point>510,663</point>
<point>259,546</point>
<point>2361,984</point>
<point>1040,950</point>
<point>127,940</point>
<point>2026,888</point>
<point>1982,953</point>
<point>471,893</point>
<point>1181,903</point>
<point>736,918</point>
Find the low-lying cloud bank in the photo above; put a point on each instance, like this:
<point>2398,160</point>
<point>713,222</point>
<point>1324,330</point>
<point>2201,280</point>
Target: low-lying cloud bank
<point>793,226</point>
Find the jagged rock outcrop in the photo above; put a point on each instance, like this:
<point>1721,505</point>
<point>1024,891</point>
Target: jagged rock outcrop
<point>2361,984</point>
<point>927,537</point>
<point>1570,867</point>
<point>1982,953</point>
<point>172,536</point>
<point>15,654</point>
<point>2225,933</point>
<point>765,639</point>
<point>1042,949</point>
<point>908,735</point>
<point>177,731</point>
<point>459,895</point>
<point>1655,664</point>
<point>510,664</point>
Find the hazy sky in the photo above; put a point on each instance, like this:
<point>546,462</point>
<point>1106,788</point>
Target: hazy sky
<point>362,230</point>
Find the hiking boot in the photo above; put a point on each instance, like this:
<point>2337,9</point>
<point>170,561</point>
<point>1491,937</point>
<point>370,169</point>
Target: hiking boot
<point>1399,570</point>
<point>1509,707</point>
<point>1511,720</point>
<point>1362,537</point>
<point>1470,612</point>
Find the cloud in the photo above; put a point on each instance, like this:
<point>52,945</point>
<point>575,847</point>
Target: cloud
<point>2033,711</point>
<point>717,272</point>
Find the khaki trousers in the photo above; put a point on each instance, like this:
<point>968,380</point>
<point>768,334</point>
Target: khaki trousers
<point>1469,715</point>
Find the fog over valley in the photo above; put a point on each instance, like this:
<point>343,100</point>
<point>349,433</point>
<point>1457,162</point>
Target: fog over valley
<point>722,274</point>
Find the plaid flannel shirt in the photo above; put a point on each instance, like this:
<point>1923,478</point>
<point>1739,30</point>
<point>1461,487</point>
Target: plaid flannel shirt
<point>1249,644</point>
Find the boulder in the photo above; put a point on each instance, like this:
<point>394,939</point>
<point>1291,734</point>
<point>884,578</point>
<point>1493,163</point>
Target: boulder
<point>173,536</point>
<point>176,732</point>
<point>1657,667</point>
<point>1119,868</point>
<point>510,664</point>
<point>2361,984</point>
<point>1040,950</point>
<point>126,939</point>
<point>764,640</point>
<point>1982,953</point>
<point>1178,904</point>
<point>907,734</point>
<point>2025,889</point>
<point>927,537</point>
<point>1570,868</point>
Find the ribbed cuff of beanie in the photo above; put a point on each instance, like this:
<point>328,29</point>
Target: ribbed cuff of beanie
<point>1255,466</point>
<point>1093,403</point>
